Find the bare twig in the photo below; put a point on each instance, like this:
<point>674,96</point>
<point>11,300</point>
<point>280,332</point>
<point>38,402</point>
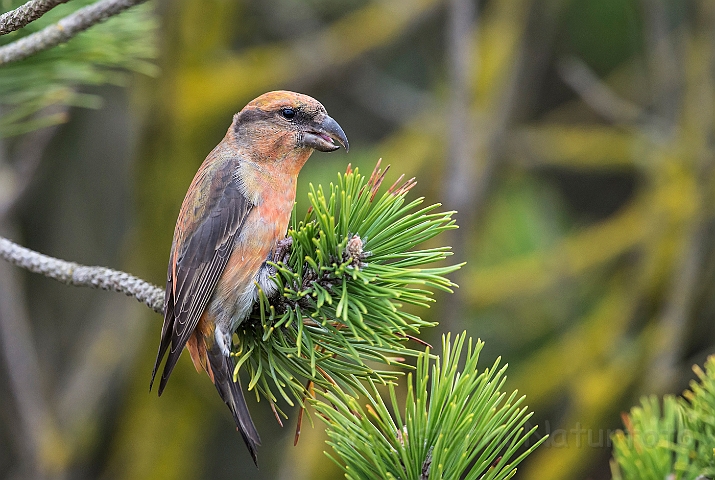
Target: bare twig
<point>36,419</point>
<point>462,163</point>
<point>29,157</point>
<point>22,15</point>
<point>91,371</point>
<point>596,93</point>
<point>460,174</point>
<point>63,30</point>
<point>71,273</point>
<point>665,64</point>
<point>77,275</point>
<point>390,98</point>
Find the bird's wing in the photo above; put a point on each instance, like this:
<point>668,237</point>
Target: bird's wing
<point>211,217</point>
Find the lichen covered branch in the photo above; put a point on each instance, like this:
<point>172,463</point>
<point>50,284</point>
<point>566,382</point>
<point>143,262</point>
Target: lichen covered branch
<point>71,273</point>
<point>63,30</point>
<point>26,13</point>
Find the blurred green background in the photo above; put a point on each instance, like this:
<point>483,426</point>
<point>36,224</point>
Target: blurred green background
<point>576,138</point>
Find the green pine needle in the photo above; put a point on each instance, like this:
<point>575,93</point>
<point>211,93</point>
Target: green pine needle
<point>675,442</point>
<point>101,55</point>
<point>351,267</point>
<point>456,424</point>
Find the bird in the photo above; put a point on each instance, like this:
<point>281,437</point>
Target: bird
<point>235,212</point>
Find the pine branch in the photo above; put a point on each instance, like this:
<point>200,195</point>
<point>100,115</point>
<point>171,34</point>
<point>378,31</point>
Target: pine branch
<point>351,268</point>
<point>63,30</point>
<point>29,12</point>
<point>455,423</point>
<point>673,441</point>
<point>77,275</point>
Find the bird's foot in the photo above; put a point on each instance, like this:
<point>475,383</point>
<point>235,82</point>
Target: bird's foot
<point>283,249</point>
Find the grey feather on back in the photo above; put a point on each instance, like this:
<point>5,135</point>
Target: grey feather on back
<point>201,259</point>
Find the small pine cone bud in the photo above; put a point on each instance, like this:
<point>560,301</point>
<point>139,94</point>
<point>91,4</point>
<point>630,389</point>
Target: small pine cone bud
<point>354,252</point>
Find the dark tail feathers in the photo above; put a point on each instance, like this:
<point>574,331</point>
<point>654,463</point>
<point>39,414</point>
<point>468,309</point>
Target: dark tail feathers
<point>232,395</point>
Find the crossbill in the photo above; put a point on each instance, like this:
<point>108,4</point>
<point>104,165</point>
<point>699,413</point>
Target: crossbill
<point>236,210</point>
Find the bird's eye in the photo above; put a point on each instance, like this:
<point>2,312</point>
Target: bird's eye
<point>288,113</point>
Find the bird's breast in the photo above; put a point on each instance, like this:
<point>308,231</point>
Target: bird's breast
<point>264,226</point>
<point>268,220</point>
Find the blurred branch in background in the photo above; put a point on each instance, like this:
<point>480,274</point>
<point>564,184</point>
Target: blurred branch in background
<point>461,189</point>
<point>597,94</point>
<point>390,98</point>
<point>65,29</point>
<point>17,178</point>
<point>38,436</point>
<point>460,174</point>
<point>664,62</point>
<point>208,86</point>
<point>36,92</point>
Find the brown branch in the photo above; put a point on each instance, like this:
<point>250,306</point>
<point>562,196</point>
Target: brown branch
<point>22,15</point>
<point>64,30</point>
<point>71,273</point>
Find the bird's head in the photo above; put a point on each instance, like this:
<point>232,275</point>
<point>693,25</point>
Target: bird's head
<point>287,124</point>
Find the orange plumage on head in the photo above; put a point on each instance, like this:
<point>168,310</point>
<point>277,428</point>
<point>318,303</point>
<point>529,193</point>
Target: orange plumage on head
<point>236,210</point>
